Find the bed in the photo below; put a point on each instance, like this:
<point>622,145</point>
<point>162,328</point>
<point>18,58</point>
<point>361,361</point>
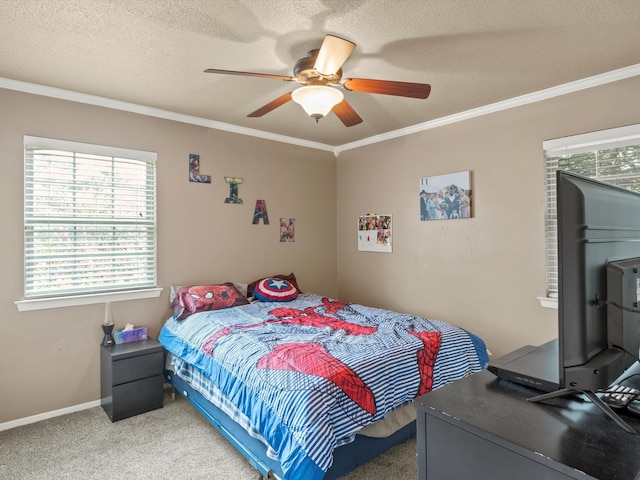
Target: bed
<point>305,386</point>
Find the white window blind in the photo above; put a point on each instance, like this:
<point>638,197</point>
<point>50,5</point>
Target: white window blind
<point>89,218</point>
<point>611,156</point>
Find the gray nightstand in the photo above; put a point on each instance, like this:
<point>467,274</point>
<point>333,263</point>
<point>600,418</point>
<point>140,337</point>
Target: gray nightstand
<point>131,380</point>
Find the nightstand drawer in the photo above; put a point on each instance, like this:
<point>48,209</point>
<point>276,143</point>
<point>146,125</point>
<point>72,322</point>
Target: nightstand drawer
<point>137,397</point>
<point>135,368</point>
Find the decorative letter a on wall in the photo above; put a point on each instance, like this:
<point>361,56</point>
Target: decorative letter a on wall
<point>260,212</point>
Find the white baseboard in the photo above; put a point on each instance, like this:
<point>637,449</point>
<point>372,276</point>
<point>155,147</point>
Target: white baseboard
<point>46,415</point>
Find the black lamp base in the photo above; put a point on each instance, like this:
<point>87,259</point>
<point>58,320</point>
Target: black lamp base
<point>108,337</point>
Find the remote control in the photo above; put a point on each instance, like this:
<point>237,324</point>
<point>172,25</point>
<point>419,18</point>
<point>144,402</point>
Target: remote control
<point>619,396</point>
<point>634,407</point>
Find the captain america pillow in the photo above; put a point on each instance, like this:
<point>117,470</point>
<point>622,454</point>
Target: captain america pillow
<point>275,290</point>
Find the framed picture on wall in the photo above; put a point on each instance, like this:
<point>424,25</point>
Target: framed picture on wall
<point>374,233</point>
<point>446,197</point>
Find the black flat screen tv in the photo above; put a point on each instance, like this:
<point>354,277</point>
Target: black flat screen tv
<point>598,287</point>
<point>599,281</point>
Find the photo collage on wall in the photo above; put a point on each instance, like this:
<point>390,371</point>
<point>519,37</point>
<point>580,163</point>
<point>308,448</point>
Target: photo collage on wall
<point>374,233</point>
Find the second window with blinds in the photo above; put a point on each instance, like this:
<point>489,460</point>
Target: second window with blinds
<point>611,156</point>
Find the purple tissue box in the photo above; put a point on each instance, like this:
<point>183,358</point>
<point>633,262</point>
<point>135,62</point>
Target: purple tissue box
<point>135,335</point>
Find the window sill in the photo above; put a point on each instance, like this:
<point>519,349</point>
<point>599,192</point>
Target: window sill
<point>75,300</point>
<point>547,302</point>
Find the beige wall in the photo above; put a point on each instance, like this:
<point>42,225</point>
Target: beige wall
<point>50,359</point>
<point>482,273</point>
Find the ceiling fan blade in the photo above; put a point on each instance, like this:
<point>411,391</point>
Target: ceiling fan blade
<point>271,105</point>
<point>249,74</point>
<point>386,87</point>
<point>345,112</point>
<point>333,53</point>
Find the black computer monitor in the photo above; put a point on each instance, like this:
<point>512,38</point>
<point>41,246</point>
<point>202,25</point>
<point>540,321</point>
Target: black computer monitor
<point>598,265</point>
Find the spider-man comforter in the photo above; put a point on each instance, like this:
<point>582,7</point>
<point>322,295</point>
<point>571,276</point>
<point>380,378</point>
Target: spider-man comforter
<point>312,372</point>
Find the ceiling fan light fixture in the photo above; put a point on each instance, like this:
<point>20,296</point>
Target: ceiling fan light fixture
<point>333,53</point>
<point>317,100</point>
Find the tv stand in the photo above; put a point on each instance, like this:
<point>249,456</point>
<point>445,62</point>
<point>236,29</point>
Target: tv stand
<point>591,396</point>
<point>484,428</point>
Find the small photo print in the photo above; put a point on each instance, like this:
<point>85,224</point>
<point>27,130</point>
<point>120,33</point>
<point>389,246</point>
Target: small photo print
<point>446,197</point>
<point>288,230</point>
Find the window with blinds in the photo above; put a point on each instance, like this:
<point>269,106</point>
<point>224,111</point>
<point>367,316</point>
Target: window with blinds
<point>89,219</point>
<point>611,156</point>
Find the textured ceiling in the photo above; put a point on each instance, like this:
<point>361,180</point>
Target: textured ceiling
<point>472,52</point>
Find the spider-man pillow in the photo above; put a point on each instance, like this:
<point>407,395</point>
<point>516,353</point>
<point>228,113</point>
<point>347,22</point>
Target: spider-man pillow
<point>202,298</point>
<point>275,290</point>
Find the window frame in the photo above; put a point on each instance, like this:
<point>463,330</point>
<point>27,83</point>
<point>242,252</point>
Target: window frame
<point>595,142</point>
<point>106,294</point>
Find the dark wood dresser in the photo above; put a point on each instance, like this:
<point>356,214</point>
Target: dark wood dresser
<point>483,428</point>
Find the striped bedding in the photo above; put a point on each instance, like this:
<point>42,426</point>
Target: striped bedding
<point>308,374</point>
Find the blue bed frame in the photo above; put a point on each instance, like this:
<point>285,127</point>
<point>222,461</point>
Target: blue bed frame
<point>345,458</point>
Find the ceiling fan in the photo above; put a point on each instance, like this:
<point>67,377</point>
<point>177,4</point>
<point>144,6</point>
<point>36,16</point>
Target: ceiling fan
<point>319,73</point>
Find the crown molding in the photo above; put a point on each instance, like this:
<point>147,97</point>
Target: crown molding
<point>575,86</point>
<point>95,100</point>
<point>589,82</point>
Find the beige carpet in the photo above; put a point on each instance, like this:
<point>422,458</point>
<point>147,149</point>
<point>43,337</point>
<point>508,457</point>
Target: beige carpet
<point>173,442</point>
